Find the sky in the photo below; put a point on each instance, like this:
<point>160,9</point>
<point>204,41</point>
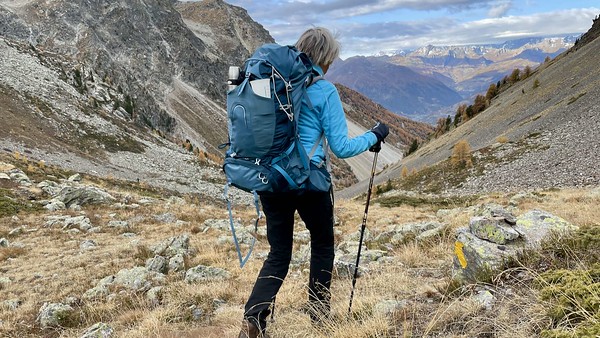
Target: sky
<point>368,27</point>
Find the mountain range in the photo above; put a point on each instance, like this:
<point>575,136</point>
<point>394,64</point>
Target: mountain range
<point>541,132</point>
<point>427,83</point>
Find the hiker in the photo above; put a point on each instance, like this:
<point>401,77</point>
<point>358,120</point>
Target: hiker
<point>314,203</point>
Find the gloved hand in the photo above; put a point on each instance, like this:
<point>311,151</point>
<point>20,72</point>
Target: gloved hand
<point>376,147</point>
<point>381,131</point>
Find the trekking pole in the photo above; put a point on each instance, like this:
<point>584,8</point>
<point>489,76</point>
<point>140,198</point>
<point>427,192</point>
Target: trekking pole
<point>377,148</point>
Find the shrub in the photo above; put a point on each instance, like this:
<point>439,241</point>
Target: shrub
<point>502,139</point>
<point>404,172</point>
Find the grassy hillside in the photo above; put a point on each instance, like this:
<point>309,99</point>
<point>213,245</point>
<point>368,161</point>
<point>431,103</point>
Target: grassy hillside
<point>49,263</point>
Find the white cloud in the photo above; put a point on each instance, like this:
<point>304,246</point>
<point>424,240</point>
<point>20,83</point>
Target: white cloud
<point>287,20</point>
<point>499,9</point>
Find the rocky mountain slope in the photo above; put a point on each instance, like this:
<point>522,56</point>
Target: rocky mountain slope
<point>94,86</point>
<point>112,88</point>
<point>141,56</point>
<point>96,83</point>
<point>543,132</point>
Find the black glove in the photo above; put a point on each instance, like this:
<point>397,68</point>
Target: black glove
<point>381,131</point>
<point>376,147</point>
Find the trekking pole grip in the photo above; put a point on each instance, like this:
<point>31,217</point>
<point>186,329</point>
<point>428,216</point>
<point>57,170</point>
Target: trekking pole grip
<point>376,148</point>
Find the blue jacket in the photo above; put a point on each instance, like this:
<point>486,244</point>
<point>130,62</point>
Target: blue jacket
<point>327,116</point>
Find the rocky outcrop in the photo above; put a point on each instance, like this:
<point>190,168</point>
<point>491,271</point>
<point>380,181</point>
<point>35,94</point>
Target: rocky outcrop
<point>227,31</point>
<point>496,236</point>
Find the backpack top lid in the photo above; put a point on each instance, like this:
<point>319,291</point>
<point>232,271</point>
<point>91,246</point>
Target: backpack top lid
<point>291,64</point>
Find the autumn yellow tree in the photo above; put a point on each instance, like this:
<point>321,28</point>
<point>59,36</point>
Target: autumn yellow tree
<point>404,173</point>
<point>461,154</point>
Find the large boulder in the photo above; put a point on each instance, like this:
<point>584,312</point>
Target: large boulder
<point>83,195</point>
<point>491,240</point>
<point>536,225</point>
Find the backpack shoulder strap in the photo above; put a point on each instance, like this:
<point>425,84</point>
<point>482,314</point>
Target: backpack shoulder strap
<point>310,81</point>
<point>314,80</point>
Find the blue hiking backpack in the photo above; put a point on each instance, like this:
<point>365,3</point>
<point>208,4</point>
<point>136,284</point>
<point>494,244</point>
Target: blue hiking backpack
<point>265,154</point>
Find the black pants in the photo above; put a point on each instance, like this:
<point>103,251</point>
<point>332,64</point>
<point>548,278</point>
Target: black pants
<point>316,210</point>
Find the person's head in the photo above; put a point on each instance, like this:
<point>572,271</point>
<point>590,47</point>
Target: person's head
<point>320,45</point>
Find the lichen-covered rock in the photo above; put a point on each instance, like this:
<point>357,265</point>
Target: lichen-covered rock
<point>158,264</point>
<point>11,304</point>
<point>124,225</point>
<point>4,282</point>
<point>98,330</point>
<point>20,177</point>
<point>202,273</point>
<point>404,232</point>
<point>177,263</point>
<point>493,229</point>
<point>50,187</point>
<point>389,307</point>
<point>55,315</point>
<point>78,222</point>
<point>173,246</point>
<point>474,256</point>
<point>489,242</point>
<point>137,279</point>
<point>166,218</point>
<point>485,298</point>
<point>154,295</point>
<point>355,236</point>
<point>430,234</point>
<point>535,225</point>
<point>493,210</point>
<point>88,244</point>
<point>83,195</point>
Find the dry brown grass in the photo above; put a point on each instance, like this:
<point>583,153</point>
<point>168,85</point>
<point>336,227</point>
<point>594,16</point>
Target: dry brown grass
<point>50,267</point>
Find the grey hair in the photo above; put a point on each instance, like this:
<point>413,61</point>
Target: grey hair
<point>320,45</point>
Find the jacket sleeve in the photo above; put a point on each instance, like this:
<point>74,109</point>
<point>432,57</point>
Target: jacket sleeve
<point>333,120</point>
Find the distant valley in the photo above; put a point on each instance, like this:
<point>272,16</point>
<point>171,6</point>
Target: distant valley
<point>427,83</point>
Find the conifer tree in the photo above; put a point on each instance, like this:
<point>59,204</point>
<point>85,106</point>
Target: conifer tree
<point>461,154</point>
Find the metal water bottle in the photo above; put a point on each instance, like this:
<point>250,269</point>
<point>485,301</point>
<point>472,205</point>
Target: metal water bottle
<point>234,78</point>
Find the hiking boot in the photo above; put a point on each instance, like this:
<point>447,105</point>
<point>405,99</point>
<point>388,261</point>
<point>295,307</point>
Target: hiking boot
<point>249,330</point>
